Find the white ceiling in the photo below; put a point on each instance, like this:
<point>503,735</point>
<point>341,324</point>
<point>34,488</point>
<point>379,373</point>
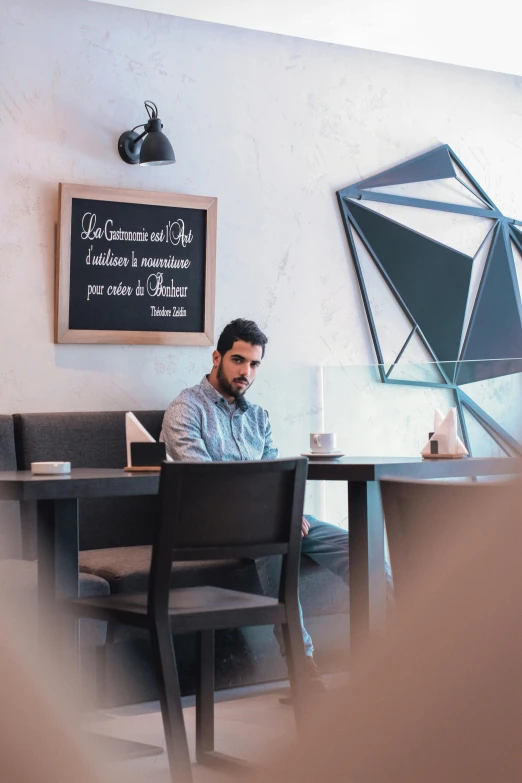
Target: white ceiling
<point>477,34</point>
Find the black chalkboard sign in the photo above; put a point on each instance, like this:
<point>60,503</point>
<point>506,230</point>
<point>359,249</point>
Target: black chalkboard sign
<point>135,267</point>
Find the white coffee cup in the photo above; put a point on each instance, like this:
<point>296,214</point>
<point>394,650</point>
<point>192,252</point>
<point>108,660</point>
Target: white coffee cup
<point>323,442</point>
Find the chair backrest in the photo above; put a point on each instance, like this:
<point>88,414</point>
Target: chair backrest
<point>423,519</point>
<point>92,440</point>
<point>222,510</point>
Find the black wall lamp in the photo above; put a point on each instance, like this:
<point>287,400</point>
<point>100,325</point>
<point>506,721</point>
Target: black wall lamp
<point>150,148</point>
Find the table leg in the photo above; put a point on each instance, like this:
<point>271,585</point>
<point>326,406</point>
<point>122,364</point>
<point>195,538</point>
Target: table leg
<point>366,562</point>
<point>28,529</point>
<point>57,543</point>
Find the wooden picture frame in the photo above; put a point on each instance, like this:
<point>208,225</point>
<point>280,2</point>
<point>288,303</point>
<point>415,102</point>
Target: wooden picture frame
<point>65,332</point>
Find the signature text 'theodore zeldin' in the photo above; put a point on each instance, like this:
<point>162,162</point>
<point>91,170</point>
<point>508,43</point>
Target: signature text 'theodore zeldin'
<point>175,312</point>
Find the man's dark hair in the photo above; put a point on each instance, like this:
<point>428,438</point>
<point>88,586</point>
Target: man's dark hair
<point>241,329</point>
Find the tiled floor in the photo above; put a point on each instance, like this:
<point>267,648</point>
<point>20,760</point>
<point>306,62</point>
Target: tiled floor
<point>247,727</point>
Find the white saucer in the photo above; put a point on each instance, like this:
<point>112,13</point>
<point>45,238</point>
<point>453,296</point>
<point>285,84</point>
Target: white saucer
<point>323,455</point>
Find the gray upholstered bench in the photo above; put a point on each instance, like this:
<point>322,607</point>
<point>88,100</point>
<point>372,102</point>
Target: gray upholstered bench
<point>115,539</point>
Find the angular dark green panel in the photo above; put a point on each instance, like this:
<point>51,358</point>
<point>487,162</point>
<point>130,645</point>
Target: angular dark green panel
<point>431,279</point>
<point>495,327</point>
<point>469,372</point>
<point>432,165</point>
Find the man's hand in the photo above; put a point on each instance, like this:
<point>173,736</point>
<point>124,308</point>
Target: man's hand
<point>305,527</point>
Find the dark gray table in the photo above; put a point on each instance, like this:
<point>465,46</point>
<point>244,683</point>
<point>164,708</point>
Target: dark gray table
<point>57,518</point>
<point>366,520</point>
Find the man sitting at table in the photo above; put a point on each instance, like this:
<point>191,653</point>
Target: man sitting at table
<point>212,422</point>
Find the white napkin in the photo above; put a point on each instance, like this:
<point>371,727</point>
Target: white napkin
<point>136,433</point>
<point>445,433</point>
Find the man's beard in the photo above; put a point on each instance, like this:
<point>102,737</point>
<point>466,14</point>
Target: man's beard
<point>226,386</point>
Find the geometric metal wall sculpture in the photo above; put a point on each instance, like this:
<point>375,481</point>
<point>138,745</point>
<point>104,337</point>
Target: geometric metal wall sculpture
<point>470,332</point>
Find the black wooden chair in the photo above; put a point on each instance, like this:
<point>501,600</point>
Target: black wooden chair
<point>422,520</point>
<point>213,511</point>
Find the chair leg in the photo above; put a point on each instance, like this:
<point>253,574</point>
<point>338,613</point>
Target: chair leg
<point>205,695</point>
<point>101,665</point>
<point>170,700</point>
<point>205,753</point>
<point>297,668</point>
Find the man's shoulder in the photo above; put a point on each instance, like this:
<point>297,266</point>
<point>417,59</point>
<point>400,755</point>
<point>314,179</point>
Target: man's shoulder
<point>193,395</point>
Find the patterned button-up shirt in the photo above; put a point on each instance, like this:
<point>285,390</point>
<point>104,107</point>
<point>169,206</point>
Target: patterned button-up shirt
<point>200,426</point>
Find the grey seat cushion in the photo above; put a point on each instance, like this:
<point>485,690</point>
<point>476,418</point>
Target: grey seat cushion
<point>92,584</point>
<point>126,569</point>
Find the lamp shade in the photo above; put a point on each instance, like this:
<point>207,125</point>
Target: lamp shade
<point>156,150</point>
<point>150,148</point>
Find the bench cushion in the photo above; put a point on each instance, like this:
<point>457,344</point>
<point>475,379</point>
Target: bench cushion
<point>126,569</point>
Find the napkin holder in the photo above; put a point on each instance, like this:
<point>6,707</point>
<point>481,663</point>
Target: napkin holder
<point>146,457</point>
<point>435,455</point>
<point>444,442</point>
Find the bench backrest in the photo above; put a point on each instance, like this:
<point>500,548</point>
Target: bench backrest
<point>7,444</point>
<point>91,440</point>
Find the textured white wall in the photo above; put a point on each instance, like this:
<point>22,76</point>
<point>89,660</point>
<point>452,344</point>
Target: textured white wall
<point>270,125</point>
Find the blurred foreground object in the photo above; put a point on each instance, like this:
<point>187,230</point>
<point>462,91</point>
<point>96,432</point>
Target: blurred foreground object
<point>440,698</point>
<point>39,743</point>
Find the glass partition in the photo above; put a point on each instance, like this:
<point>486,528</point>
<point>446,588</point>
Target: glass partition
<point>388,410</point>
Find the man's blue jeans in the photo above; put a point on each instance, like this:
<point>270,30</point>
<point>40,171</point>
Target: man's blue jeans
<point>327,545</point>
